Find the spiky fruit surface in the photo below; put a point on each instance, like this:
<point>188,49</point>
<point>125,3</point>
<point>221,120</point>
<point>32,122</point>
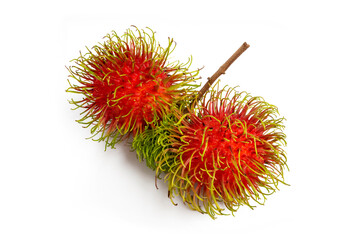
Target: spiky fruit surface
<point>229,150</point>
<point>127,84</point>
<point>154,145</point>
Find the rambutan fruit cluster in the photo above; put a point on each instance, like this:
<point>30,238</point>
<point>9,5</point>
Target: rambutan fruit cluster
<point>216,151</point>
<point>127,84</point>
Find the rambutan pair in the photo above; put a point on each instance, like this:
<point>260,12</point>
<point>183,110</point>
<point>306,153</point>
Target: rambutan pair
<point>221,149</point>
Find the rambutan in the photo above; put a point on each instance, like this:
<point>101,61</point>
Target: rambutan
<point>229,150</point>
<point>154,145</point>
<point>221,152</point>
<point>127,85</point>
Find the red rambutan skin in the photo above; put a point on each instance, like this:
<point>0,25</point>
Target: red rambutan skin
<point>229,151</point>
<point>128,90</point>
<point>127,85</point>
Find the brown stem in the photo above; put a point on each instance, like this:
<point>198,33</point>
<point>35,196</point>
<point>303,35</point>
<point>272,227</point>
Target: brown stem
<point>220,71</point>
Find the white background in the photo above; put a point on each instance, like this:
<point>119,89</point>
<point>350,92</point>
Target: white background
<point>304,58</point>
